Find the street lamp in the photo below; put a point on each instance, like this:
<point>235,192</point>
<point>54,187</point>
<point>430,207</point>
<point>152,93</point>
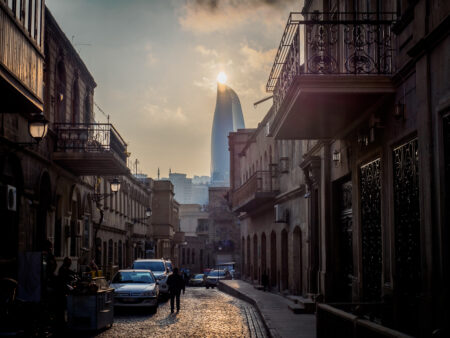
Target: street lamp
<point>148,213</point>
<point>38,127</point>
<point>115,185</point>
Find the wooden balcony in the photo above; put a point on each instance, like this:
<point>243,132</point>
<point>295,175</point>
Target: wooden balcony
<point>260,188</point>
<point>329,70</point>
<point>21,63</point>
<point>90,149</point>
<point>162,231</point>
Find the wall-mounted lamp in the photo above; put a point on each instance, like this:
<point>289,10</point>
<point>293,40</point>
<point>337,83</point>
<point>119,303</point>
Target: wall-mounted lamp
<point>307,195</point>
<point>37,129</point>
<point>114,186</point>
<point>336,157</point>
<point>148,213</point>
<point>399,111</point>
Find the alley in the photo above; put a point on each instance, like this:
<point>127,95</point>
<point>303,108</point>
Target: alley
<point>204,313</point>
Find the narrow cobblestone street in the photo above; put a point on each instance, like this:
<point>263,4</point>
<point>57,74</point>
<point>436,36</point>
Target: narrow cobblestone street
<point>204,313</point>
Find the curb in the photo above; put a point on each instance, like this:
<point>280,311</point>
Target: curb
<point>271,332</point>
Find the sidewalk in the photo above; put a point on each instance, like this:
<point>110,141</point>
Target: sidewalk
<point>273,308</point>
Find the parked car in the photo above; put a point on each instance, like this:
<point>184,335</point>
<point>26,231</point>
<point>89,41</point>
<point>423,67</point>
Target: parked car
<point>197,280</point>
<point>169,266</point>
<point>214,276</point>
<point>159,269</point>
<point>135,288</point>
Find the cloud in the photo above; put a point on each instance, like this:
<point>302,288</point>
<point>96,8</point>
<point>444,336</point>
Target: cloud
<point>257,59</point>
<point>207,16</point>
<point>150,57</point>
<point>205,51</point>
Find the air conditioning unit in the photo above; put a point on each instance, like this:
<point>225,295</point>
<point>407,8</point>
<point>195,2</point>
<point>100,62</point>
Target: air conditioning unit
<point>11,198</point>
<point>281,214</point>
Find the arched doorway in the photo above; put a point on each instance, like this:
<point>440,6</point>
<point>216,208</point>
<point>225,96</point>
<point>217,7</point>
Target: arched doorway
<point>248,257</point>
<point>12,181</point>
<point>263,253</point>
<point>243,268</point>
<point>273,259</point>
<point>255,257</point>
<point>297,259</point>
<point>44,198</point>
<point>284,260</point>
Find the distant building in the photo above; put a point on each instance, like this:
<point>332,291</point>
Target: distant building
<point>227,118</point>
<point>190,190</point>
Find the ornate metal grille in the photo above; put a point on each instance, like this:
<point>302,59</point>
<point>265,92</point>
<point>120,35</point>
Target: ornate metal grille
<point>349,43</point>
<point>371,230</point>
<point>346,239</point>
<point>407,217</point>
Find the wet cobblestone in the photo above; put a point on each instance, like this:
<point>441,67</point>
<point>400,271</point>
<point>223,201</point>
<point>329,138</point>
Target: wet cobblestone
<point>204,313</point>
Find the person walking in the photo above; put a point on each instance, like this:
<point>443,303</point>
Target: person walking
<point>175,282</point>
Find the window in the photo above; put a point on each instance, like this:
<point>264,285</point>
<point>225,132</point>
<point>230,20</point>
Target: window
<point>110,251</point>
<point>193,256</point>
<point>86,232</point>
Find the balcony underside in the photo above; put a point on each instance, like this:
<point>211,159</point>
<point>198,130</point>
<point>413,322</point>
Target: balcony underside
<point>91,163</point>
<point>322,106</point>
<point>258,199</point>
<point>15,97</point>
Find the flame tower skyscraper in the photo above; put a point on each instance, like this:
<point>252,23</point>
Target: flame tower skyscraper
<point>227,118</point>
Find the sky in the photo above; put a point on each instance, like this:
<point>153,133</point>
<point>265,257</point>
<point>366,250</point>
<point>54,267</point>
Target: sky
<point>156,62</point>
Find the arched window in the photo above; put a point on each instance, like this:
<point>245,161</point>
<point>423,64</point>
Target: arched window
<point>75,101</point>
<point>193,256</point>
<point>60,92</point>
<point>110,251</point>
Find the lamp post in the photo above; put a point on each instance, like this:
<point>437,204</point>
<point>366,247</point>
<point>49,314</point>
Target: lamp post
<point>148,214</point>
<point>38,127</point>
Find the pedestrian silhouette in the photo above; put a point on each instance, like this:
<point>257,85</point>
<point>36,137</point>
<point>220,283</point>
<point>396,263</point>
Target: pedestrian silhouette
<point>175,283</point>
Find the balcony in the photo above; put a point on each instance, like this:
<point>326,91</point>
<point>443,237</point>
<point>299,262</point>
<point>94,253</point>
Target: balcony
<point>329,69</point>
<point>90,149</point>
<point>260,188</point>
<point>21,59</point>
<point>162,231</point>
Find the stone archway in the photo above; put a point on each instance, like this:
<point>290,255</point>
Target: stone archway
<point>263,254</point>
<point>297,259</point>
<point>284,260</point>
<point>45,199</point>
<point>255,257</point>
<point>248,257</point>
<point>273,259</point>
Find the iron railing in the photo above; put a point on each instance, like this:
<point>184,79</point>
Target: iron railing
<point>90,137</point>
<point>259,182</point>
<point>346,43</point>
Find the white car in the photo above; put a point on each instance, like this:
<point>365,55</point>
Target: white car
<point>135,288</point>
<point>159,269</point>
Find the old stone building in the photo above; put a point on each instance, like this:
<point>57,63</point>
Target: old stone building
<point>364,86</point>
<point>194,222</point>
<point>267,192</point>
<point>166,222</point>
<point>223,244</point>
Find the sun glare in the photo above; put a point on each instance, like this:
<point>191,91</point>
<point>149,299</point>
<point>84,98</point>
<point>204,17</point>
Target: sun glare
<point>222,77</point>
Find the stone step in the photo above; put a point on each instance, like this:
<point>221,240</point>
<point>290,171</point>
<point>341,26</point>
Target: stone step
<point>296,308</point>
<point>308,304</point>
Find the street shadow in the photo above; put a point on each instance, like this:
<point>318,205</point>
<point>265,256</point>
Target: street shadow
<point>139,314</point>
<point>170,319</point>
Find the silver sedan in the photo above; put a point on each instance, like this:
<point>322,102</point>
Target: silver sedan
<point>135,288</point>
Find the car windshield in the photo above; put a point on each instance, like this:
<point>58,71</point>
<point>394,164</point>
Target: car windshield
<point>200,276</point>
<point>133,277</point>
<point>153,266</point>
<point>216,273</point>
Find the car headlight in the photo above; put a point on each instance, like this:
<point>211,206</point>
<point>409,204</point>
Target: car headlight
<point>148,293</point>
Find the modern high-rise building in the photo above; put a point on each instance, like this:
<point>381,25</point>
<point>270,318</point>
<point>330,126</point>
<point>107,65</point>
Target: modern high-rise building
<point>227,118</point>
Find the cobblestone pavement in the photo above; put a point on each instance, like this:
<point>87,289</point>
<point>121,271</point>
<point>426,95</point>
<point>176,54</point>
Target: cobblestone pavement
<point>204,313</point>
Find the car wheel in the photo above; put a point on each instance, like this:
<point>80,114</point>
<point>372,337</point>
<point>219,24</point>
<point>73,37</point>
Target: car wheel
<point>154,309</point>
<point>207,287</point>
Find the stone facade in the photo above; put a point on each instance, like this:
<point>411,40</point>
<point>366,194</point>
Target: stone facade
<point>371,112</point>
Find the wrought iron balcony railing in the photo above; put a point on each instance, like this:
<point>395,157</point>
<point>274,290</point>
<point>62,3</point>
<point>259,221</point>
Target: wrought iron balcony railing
<point>261,184</point>
<point>90,137</point>
<point>332,43</point>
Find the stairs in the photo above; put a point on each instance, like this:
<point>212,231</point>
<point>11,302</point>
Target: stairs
<point>301,305</point>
